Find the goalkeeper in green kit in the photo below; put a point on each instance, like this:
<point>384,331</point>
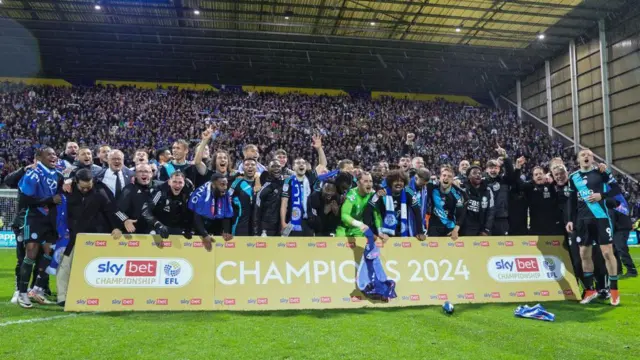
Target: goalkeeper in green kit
<point>356,214</point>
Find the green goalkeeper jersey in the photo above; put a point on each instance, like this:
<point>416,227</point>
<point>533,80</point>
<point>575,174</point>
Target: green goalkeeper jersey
<point>353,209</point>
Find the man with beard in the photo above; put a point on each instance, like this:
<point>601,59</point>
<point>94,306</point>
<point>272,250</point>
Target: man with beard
<point>446,206</point>
<point>163,156</point>
<point>324,207</point>
<point>167,212</point>
<point>500,185</point>
<point>134,196</point>
<point>212,210</point>
<point>70,153</point>
<point>563,191</point>
<point>243,199</point>
<point>478,219</point>
<point>179,151</point>
<point>461,178</point>
<point>116,176</point>
<point>295,196</point>
<point>400,206</point>
<point>102,159</point>
<point>40,190</point>
<point>418,184</point>
<point>251,152</point>
<point>267,209</point>
<point>542,200</point>
<point>405,164</point>
<point>352,213</point>
<point>593,223</point>
<point>89,210</point>
<point>85,161</point>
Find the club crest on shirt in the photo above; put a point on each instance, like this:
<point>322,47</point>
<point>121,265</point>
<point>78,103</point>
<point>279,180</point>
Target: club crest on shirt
<point>390,220</point>
<point>496,186</point>
<point>296,214</point>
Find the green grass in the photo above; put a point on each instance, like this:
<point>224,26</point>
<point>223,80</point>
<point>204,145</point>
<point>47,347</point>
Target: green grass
<point>473,332</point>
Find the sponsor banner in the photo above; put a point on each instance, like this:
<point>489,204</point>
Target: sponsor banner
<point>136,273</point>
<point>312,273</point>
<point>7,239</point>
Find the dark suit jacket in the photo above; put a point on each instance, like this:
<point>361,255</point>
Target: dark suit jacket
<point>129,177</point>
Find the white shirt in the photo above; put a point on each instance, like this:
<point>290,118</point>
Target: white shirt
<point>110,180</point>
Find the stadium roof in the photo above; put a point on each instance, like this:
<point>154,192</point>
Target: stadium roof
<point>465,47</point>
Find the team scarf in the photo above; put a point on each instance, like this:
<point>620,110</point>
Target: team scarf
<point>424,200</point>
<point>41,183</point>
<point>390,221</point>
<point>372,280</point>
<point>300,191</point>
<point>203,202</point>
<point>63,237</point>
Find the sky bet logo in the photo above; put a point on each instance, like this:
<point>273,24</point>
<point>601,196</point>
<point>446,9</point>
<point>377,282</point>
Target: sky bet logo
<point>129,243</point>
<point>158,302</point>
<point>318,245</point>
<point>530,243</point>
<point>98,243</point>
<point>519,265</point>
<point>257,245</point>
<point>481,243</point>
<point>346,245</point>
<point>431,244</point>
<point>89,302</point>
<point>492,295</point>
<point>288,245</point>
<point>322,300</point>
<point>404,244</point>
<point>258,301</point>
<point>131,268</point>
<point>123,302</point>
<point>291,300</point>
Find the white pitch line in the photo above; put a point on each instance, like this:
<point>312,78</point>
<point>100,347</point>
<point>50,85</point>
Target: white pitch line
<point>29,321</point>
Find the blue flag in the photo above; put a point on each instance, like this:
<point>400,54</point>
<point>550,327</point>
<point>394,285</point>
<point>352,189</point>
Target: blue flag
<point>372,280</point>
<point>204,203</point>
<point>41,183</point>
<point>63,236</point>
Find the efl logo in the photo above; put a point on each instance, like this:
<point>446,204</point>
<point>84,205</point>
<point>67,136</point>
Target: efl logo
<point>229,245</point>
<point>443,297</point>
<point>134,243</point>
<point>101,243</point>
<point>261,245</point>
<point>433,244</point>
<point>469,296</point>
<point>292,245</point>
<point>198,244</point>
<point>127,302</point>
<point>229,302</point>
<point>325,299</point>
<point>162,301</point>
<point>141,268</point>
<point>294,300</point>
<point>459,244</point>
<point>262,301</point>
<point>93,302</point>
<point>321,245</point>
<point>406,244</point>
<point>414,297</point>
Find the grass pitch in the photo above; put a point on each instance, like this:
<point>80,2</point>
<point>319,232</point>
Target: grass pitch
<point>474,332</point>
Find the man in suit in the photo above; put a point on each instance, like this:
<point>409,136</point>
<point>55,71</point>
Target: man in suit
<point>116,176</point>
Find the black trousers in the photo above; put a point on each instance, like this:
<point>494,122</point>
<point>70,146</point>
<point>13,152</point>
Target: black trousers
<point>500,227</point>
<point>622,252</point>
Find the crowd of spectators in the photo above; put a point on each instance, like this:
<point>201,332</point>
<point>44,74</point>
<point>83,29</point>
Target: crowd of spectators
<point>361,129</point>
